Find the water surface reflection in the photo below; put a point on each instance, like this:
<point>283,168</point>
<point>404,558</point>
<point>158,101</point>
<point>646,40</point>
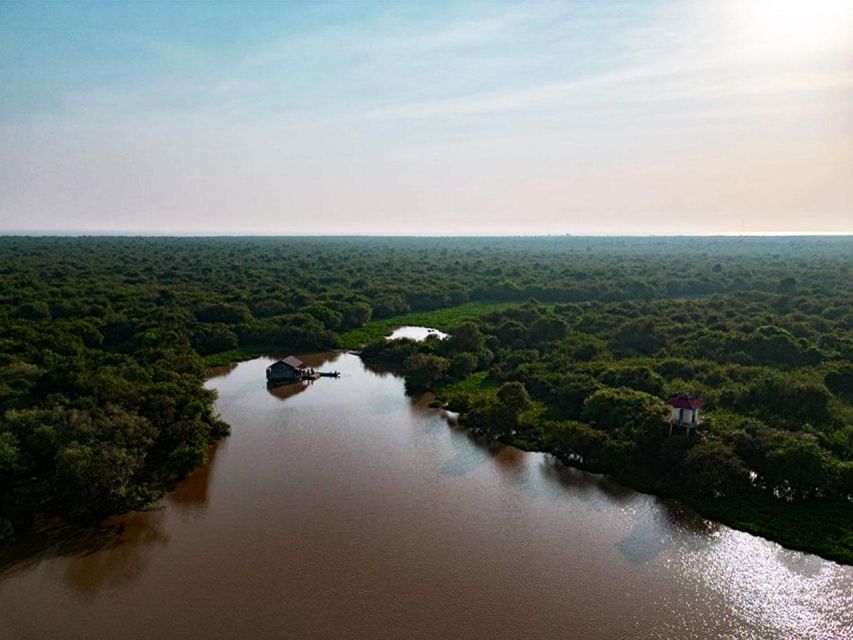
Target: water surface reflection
<point>416,333</point>
<point>345,509</point>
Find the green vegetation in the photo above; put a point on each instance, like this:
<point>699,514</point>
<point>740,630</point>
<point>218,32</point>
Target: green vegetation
<point>239,354</point>
<point>441,319</point>
<point>588,382</point>
<point>566,344</point>
<point>478,384</point>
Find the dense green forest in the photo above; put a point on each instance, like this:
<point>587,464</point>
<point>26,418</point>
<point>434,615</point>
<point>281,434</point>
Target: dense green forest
<point>103,344</point>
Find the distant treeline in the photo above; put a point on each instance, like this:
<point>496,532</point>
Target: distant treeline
<point>101,396</point>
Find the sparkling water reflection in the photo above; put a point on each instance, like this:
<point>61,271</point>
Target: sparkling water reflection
<point>341,508</point>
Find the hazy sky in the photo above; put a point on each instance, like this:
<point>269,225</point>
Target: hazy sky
<point>425,118</point>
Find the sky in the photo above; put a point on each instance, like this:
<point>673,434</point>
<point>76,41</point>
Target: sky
<point>479,118</point>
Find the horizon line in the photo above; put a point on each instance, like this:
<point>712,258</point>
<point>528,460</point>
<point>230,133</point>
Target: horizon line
<point>68,233</point>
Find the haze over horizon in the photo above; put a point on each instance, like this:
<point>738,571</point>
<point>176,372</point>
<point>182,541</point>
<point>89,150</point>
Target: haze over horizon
<point>604,118</point>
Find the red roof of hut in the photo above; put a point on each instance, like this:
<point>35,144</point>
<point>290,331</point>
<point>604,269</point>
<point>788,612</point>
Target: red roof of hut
<point>685,401</point>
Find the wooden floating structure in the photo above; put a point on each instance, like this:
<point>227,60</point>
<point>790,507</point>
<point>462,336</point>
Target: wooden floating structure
<point>292,369</point>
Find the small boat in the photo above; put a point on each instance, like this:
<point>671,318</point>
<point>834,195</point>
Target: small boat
<point>329,374</point>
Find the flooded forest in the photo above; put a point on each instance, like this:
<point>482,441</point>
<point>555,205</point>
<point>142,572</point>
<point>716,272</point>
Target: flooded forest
<point>572,348</point>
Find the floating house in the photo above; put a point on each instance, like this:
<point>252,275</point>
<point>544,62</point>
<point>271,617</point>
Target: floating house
<point>685,412</point>
<point>287,370</point>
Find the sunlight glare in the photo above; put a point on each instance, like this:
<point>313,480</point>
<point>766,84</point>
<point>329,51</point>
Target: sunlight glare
<point>794,27</point>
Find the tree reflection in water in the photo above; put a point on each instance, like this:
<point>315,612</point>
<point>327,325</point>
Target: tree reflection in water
<point>191,494</point>
<point>114,552</point>
<point>121,563</point>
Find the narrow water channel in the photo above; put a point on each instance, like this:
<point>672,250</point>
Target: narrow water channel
<point>343,509</point>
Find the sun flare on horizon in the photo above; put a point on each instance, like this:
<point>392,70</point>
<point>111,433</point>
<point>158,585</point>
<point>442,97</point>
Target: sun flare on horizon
<point>794,28</point>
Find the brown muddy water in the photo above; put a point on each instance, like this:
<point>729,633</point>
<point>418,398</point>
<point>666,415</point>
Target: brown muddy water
<point>342,509</point>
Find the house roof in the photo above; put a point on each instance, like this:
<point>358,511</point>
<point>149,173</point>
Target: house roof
<point>685,401</point>
<point>294,362</point>
<point>290,361</point>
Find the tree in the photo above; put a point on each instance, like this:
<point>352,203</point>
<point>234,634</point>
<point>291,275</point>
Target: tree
<point>638,337</point>
<point>572,390</point>
<point>462,365</point>
<point>788,284</point>
<point>511,332</point>
<point>214,338</point>
<point>389,304</point>
<point>94,481</point>
<point>711,468</point>
<point>389,351</point>
<point>626,410</point>
<point>772,345</point>
<point>840,380</point>
<point>465,337</point>
<point>800,468</point>
<point>224,312</point>
<point>330,318</point>
<point>514,397</point>
<point>9,456</point>
<point>424,371</point>
<point>485,417</point>
<point>498,416</point>
<point>571,437</point>
<point>789,401</point>
<point>641,378</point>
<point>844,481</point>
<point>356,314</point>
<point>548,329</point>
<point>33,311</point>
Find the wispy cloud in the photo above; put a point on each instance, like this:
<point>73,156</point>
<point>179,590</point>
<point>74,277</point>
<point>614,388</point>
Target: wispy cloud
<point>511,114</point>
<point>705,79</point>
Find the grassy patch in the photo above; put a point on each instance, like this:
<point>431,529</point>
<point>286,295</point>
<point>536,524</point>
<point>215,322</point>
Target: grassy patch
<point>476,385</point>
<point>441,319</point>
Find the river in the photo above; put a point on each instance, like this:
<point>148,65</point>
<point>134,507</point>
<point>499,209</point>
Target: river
<point>343,509</point>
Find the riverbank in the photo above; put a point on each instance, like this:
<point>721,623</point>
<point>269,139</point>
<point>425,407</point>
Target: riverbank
<point>822,527</point>
<point>819,526</point>
<point>376,499</point>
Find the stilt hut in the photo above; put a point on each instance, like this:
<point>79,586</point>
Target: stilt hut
<point>289,369</point>
<point>685,412</point>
